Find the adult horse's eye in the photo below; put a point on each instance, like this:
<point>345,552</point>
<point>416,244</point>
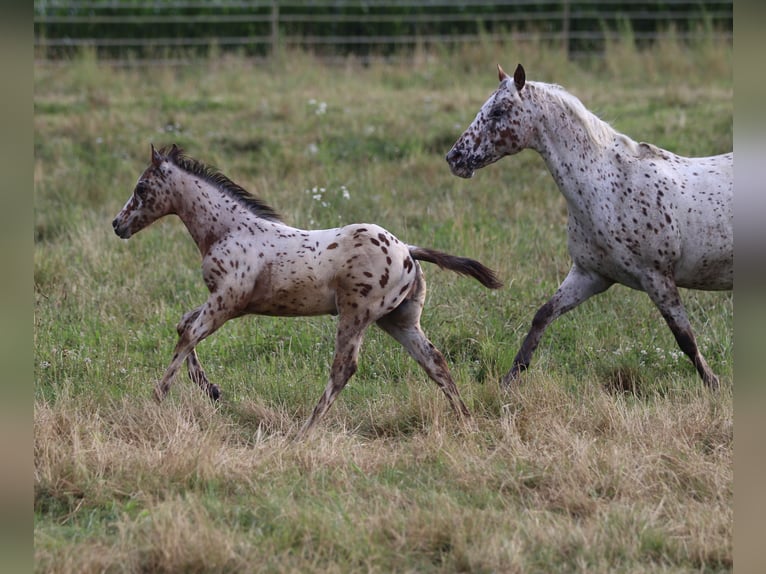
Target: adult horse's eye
<point>141,191</point>
<point>496,113</point>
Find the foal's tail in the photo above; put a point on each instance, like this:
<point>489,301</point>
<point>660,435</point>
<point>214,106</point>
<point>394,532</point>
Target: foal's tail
<point>461,265</point>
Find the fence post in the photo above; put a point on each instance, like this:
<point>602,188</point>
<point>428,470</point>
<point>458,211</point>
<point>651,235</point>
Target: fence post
<point>565,28</point>
<point>274,27</point>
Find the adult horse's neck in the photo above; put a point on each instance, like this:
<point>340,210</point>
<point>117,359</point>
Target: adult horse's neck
<point>576,145</point>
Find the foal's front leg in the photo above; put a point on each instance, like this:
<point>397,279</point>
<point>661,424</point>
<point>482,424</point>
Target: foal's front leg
<point>193,328</point>
<point>194,367</point>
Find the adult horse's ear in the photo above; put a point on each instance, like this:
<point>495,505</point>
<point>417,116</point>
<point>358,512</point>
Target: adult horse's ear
<point>519,77</point>
<point>501,75</point>
<point>156,157</point>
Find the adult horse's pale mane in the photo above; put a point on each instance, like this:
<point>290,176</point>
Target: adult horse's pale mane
<point>214,177</point>
<point>599,131</point>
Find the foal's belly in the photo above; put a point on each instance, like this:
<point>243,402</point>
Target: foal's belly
<point>284,306</point>
<point>281,294</point>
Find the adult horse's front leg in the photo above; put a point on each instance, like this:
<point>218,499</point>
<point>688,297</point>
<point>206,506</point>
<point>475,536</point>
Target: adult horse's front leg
<point>578,286</point>
<point>193,328</point>
<point>664,294</point>
<point>194,367</point>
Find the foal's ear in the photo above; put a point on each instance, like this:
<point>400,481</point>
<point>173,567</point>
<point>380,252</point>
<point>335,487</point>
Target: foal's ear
<point>501,75</point>
<point>519,77</point>
<point>156,157</point>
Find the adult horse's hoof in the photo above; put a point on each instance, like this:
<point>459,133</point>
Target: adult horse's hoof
<point>512,377</point>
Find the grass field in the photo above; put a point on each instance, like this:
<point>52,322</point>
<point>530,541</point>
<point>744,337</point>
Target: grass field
<point>610,456</point>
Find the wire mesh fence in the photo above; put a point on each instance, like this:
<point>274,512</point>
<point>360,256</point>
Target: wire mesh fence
<point>140,29</point>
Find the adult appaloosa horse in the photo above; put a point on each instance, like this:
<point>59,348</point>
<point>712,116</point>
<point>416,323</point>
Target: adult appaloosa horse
<point>252,263</point>
<point>638,215</point>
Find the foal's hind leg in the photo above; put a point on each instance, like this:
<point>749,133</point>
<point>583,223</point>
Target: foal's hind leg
<point>428,356</point>
<point>403,324</point>
<point>348,340</point>
<point>663,292</point>
<point>578,286</point>
<point>194,367</point>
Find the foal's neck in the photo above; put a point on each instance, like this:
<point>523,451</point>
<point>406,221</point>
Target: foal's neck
<point>209,213</point>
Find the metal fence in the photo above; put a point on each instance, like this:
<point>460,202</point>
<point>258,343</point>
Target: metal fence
<point>331,28</point>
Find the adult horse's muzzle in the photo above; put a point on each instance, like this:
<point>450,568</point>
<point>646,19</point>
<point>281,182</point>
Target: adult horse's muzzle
<point>459,164</point>
<point>122,232</point>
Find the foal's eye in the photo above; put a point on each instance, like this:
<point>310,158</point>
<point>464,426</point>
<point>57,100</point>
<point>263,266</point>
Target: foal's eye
<point>141,191</point>
<point>496,113</point>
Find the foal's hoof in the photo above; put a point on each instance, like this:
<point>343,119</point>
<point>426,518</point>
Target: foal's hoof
<point>214,392</point>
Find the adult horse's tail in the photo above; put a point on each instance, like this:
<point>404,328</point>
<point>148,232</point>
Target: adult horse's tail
<point>461,265</point>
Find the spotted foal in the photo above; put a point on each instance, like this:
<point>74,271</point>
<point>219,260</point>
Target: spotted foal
<point>252,263</point>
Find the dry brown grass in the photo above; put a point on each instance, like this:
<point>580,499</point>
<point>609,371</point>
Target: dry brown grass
<point>591,483</point>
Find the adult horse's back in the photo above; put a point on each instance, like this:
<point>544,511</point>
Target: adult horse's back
<point>638,215</point>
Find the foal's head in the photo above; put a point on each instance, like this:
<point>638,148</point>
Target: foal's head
<point>502,127</point>
<point>151,198</point>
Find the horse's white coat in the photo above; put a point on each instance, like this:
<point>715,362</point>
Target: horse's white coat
<point>254,263</point>
<point>638,215</point>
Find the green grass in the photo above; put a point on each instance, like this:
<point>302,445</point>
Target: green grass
<point>610,456</point>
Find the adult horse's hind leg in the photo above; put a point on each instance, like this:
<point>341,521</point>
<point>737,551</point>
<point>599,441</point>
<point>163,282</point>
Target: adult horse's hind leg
<point>403,324</point>
<point>194,367</point>
<point>664,293</point>
<point>348,340</point>
<point>578,286</point>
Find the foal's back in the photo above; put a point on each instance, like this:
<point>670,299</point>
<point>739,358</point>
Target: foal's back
<point>312,272</point>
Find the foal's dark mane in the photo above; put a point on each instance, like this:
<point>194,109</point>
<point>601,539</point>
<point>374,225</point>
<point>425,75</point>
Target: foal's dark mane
<point>214,177</point>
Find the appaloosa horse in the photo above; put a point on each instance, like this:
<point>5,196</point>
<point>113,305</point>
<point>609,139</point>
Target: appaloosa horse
<point>254,263</point>
<point>638,215</point>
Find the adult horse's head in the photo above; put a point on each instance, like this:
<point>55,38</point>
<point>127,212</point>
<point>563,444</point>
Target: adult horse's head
<point>150,200</point>
<point>499,128</point>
